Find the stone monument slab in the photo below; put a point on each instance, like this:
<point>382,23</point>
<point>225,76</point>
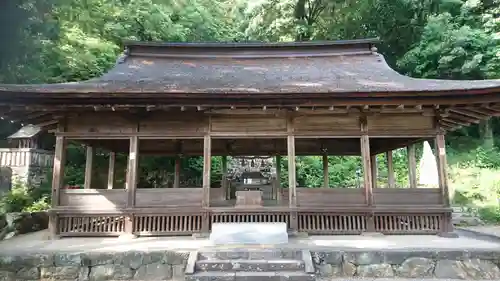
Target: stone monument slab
<point>249,233</point>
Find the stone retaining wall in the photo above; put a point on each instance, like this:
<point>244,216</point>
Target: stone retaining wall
<point>168,265</point>
<point>94,266</point>
<point>409,264</point>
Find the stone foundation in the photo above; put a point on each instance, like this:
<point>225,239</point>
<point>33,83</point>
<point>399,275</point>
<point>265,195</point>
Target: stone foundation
<point>469,265</point>
<point>94,266</point>
<point>170,265</point>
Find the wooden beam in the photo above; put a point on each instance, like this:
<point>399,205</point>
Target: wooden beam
<point>367,171</point>
<point>278,178</point>
<point>390,170</point>
<point>412,166</point>
<point>468,113</point>
<point>207,162</point>
<point>374,168</point>
<point>326,175</point>
<point>133,164</point>
<point>89,159</point>
<point>57,183</point>
<point>111,170</point>
<point>460,117</point>
<point>447,226</point>
<point>292,180</point>
<point>441,161</point>
<point>456,122</point>
<point>224,183</point>
<point>207,149</point>
<point>177,172</point>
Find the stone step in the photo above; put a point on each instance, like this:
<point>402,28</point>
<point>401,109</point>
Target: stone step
<point>249,254</point>
<point>250,265</point>
<point>251,276</point>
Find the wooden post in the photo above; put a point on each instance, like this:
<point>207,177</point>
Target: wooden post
<point>133,164</point>
<point>207,155</point>
<point>292,180</point>
<point>88,167</point>
<point>111,170</point>
<point>367,172</point>
<point>326,179</point>
<point>412,166</point>
<point>224,183</point>
<point>390,170</point>
<point>374,167</point>
<point>177,172</point>
<point>447,226</point>
<point>57,183</point>
<point>441,163</point>
<point>278,178</point>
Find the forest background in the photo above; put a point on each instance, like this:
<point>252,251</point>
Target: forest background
<point>53,41</point>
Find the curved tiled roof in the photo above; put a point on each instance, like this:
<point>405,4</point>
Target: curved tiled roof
<point>339,67</point>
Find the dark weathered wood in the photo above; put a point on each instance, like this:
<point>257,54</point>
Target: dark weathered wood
<point>407,197</point>
<point>224,182</point>
<point>89,163</point>
<point>207,147</point>
<point>412,166</point>
<point>374,168</point>
<point>442,174</point>
<point>94,199</point>
<point>326,175</point>
<point>57,182</point>
<point>292,180</point>
<point>177,172</point>
<point>169,197</point>
<point>277,187</point>
<point>132,177</point>
<point>367,171</point>
<point>330,197</point>
<point>111,170</point>
<point>390,169</point>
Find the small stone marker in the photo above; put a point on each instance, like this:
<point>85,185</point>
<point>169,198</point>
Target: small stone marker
<point>249,233</point>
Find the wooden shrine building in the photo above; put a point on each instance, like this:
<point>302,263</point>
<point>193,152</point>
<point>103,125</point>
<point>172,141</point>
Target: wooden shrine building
<point>280,100</point>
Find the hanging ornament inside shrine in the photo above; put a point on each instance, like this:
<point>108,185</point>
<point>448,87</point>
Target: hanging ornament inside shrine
<point>252,164</point>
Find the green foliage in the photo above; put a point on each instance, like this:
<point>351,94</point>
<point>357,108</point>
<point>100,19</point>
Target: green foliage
<point>23,198</point>
<point>490,214</point>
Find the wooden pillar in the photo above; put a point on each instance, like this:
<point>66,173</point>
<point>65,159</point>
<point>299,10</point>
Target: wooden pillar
<point>441,163</point>
<point>277,185</point>
<point>367,172</point>
<point>374,167</point>
<point>447,226</point>
<point>207,155</point>
<point>326,178</point>
<point>88,167</point>
<point>292,180</point>
<point>412,166</point>
<point>57,183</point>
<point>224,183</point>
<point>390,170</point>
<point>111,170</point>
<point>177,172</point>
<point>133,164</point>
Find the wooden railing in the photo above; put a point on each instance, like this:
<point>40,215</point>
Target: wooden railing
<point>18,157</point>
<point>186,197</point>
<point>178,211</point>
<point>93,199</point>
<point>332,197</point>
<point>407,196</point>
